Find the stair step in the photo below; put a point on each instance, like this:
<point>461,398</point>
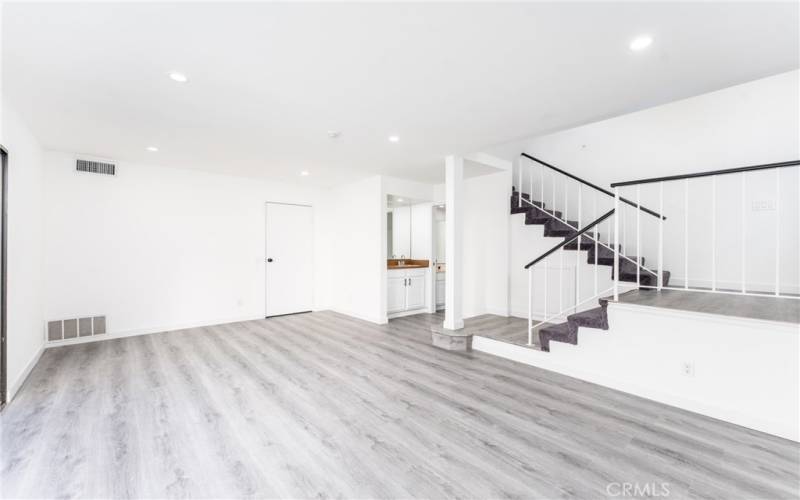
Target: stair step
<point>517,208</point>
<point>535,216</point>
<point>585,241</point>
<point>557,228</point>
<point>592,318</point>
<point>561,332</point>
<point>645,278</point>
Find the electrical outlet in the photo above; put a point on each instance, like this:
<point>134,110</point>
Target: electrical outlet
<point>763,205</point>
<point>687,368</point>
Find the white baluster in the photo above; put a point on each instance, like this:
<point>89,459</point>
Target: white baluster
<point>616,244</point>
<point>624,229</point>
<point>578,255</point>
<point>660,235</point>
<point>744,232</point>
<point>777,231</point>
<point>596,246</point>
<point>714,233</point>
<point>686,234</point>
<point>519,183</point>
<point>530,305</point>
<point>541,197</point>
<point>561,281</point>
<point>546,289</point>
<point>530,190</point>
<point>638,234</point>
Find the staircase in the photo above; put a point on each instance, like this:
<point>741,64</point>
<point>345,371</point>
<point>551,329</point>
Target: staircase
<point>574,235</point>
<point>537,213</point>
<point>557,200</point>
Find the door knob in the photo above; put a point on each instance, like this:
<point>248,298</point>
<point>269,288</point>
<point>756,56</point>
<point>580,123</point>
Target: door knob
<point>269,259</point>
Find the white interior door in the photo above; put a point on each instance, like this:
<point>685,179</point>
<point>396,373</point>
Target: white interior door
<point>289,259</point>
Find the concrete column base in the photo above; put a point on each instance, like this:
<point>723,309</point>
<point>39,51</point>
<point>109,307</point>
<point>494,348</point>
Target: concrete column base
<point>451,340</point>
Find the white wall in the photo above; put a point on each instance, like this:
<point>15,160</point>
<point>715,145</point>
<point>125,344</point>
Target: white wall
<point>25,253</point>
<point>422,231</point>
<point>486,244</point>
<point>158,248</point>
<point>753,123</point>
<point>354,216</point>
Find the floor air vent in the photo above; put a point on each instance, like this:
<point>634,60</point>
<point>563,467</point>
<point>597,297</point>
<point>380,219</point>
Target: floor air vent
<point>65,329</point>
<point>96,167</point>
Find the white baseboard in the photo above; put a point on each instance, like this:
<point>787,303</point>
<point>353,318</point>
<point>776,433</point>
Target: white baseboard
<point>149,331</point>
<point>376,320</point>
<point>407,313</point>
<point>17,384</point>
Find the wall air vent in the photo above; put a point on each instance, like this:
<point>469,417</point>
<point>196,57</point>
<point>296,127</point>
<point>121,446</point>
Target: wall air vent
<point>65,329</point>
<point>96,167</point>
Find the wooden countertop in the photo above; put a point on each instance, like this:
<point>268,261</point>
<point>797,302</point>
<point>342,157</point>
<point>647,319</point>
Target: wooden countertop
<point>407,263</point>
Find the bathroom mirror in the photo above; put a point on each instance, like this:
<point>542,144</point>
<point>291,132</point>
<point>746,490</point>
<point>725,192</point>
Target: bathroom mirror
<point>408,228</point>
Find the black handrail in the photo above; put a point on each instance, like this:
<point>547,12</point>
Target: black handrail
<point>571,238</point>
<point>707,174</point>
<point>605,191</point>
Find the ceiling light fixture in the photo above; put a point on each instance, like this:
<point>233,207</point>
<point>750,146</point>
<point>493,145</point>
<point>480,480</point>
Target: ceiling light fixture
<point>304,173</point>
<point>394,138</point>
<point>178,77</point>
<point>400,200</point>
<point>334,134</point>
<point>152,149</point>
<point>640,43</point>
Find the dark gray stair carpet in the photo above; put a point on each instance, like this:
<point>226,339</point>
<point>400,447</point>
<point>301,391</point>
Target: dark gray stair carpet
<point>535,216</point>
<point>553,227</point>
<point>568,331</point>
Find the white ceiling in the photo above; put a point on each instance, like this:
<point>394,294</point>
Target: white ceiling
<point>267,81</point>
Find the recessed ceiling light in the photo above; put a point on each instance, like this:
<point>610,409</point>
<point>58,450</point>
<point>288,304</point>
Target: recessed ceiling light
<point>178,77</point>
<point>400,200</point>
<point>641,42</point>
<point>304,173</point>
<point>333,134</point>
<point>152,149</point>
<point>394,138</point>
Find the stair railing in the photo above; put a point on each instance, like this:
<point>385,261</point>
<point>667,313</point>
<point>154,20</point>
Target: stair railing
<point>577,236</point>
<point>553,187</point>
<point>748,176</point>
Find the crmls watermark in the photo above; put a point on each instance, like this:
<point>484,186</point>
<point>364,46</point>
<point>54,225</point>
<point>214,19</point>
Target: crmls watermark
<point>638,489</point>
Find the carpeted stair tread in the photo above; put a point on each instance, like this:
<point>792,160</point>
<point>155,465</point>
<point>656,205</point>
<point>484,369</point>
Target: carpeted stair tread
<point>591,318</point>
<point>535,216</point>
<point>586,243</point>
<point>561,332</point>
<point>555,227</point>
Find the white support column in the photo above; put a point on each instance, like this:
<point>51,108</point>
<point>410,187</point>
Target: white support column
<point>454,236</point>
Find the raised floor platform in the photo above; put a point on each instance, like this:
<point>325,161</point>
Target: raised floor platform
<point>730,357</point>
<point>785,310</point>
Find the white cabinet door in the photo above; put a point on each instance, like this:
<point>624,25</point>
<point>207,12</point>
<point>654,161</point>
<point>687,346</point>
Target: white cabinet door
<point>415,298</point>
<point>396,296</point>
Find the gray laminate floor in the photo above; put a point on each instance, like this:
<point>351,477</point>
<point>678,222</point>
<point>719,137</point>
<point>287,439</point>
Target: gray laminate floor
<point>786,310</point>
<point>322,405</point>
<point>505,329</point>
